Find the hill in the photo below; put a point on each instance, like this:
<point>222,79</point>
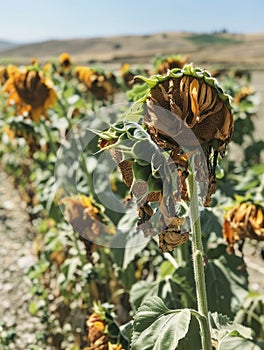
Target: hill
<point>245,50</point>
<point>4,45</point>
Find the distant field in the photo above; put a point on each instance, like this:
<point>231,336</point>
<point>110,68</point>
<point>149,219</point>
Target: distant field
<point>213,39</point>
<point>222,49</point>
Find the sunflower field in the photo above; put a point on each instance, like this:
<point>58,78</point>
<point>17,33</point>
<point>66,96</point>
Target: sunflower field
<point>144,188</point>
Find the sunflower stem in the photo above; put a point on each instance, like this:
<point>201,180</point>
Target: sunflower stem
<point>198,263</point>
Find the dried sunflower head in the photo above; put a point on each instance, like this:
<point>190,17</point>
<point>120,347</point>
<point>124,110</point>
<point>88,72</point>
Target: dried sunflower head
<point>101,86</point>
<point>245,220</point>
<point>193,97</point>
<point>242,94</point>
<point>30,91</point>
<point>87,218</point>
<point>187,109</point>
<point>97,336</point>
<point>31,88</point>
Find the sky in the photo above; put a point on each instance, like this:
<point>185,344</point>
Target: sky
<point>25,21</point>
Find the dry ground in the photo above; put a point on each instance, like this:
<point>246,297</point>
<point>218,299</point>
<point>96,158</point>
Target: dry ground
<point>245,50</point>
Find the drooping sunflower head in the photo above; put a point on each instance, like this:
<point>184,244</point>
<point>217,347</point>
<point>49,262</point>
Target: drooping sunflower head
<point>87,218</point>
<point>243,94</point>
<point>65,60</point>
<point>244,220</point>
<point>186,109</point>
<point>99,84</point>
<point>30,88</point>
<point>195,101</point>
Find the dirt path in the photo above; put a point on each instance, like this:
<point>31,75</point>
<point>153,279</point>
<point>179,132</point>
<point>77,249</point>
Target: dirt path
<point>16,258</point>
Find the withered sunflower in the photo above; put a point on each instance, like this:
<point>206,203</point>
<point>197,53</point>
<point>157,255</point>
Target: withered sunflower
<point>30,91</point>
<point>97,337</point>
<point>143,171</point>
<point>187,108</point>
<point>97,83</point>
<point>88,220</point>
<point>245,220</point>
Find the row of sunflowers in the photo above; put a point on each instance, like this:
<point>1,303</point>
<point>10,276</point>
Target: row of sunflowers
<point>85,290</point>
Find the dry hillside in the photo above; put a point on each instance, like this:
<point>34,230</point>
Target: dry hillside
<point>219,48</point>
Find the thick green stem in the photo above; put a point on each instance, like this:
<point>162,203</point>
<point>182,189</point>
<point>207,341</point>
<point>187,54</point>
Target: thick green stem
<point>197,253</point>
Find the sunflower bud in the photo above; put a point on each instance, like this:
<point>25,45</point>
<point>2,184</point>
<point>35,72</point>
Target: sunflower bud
<point>245,220</point>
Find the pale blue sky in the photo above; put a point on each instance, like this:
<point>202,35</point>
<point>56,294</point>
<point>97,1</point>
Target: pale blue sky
<point>28,20</point>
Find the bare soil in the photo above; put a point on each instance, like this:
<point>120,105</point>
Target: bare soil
<point>16,258</point>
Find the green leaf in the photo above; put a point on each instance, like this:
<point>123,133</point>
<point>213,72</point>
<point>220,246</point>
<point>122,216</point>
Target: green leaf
<point>229,335</point>
<point>222,327</point>
<point>238,343</point>
<point>226,284</point>
<point>175,292</point>
<point>166,269</point>
<point>141,172</point>
<point>158,328</point>
<point>251,315</point>
<point>131,242</point>
<point>192,340</point>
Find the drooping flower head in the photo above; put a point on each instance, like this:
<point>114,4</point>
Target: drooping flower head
<point>30,91</point>
<point>182,115</point>
<point>97,83</point>
<point>195,102</point>
<point>65,60</point>
<point>244,220</point>
<point>88,220</point>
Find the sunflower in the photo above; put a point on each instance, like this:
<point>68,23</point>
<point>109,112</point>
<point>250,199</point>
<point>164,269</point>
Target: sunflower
<point>242,94</point>
<point>3,75</point>
<point>97,334</point>
<point>199,114</point>
<point>88,219</point>
<point>97,83</point>
<point>169,62</point>
<point>65,60</point>
<point>127,74</point>
<point>245,220</point>
<point>31,92</point>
